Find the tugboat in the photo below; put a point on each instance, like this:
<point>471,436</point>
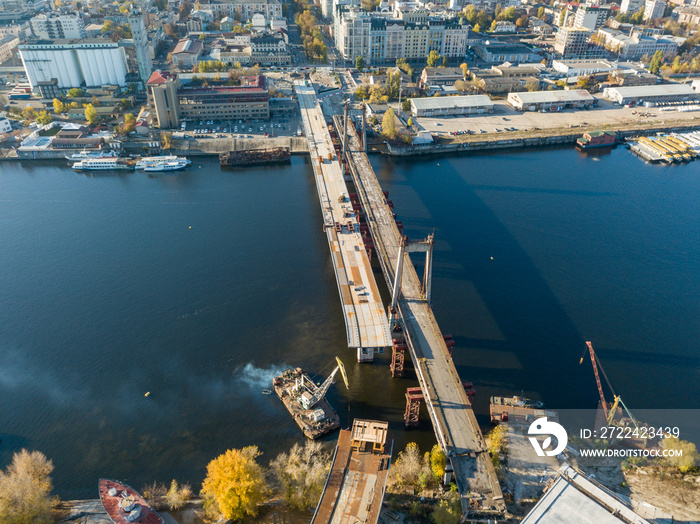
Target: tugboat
<point>123,504</point>
<point>306,401</point>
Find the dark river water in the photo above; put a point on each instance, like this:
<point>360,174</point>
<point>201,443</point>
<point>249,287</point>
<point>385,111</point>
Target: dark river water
<point>199,287</point>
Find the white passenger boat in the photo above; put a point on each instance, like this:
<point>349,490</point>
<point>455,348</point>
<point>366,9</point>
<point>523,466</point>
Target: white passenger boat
<point>101,164</point>
<point>162,163</point>
<point>85,155</point>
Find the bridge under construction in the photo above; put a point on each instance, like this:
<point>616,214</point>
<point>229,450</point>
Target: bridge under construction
<point>441,389</point>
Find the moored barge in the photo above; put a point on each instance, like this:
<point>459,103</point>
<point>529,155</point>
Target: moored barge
<point>255,157</point>
<point>306,401</point>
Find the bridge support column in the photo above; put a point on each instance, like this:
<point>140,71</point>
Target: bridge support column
<point>412,413</point>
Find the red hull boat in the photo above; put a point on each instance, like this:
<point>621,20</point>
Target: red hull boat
<point>124,505</point>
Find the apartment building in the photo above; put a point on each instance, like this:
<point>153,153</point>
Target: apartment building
<point>630,7</point>
<point>591,16</point>
<point>380,39</point>
<point>653,9</point>
<point>52,27</point>
<point>244,8</point>
<point>636,45</point>
<point>572,41</point>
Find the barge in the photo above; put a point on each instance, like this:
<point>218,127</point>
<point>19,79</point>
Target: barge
<point>595,139</point>
<point>124,504</point>
<point>255,157</point>
<point>306,401</point>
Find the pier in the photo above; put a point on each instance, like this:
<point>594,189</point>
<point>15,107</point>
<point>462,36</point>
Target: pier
<point>366,323</point>
<point>446,400</point>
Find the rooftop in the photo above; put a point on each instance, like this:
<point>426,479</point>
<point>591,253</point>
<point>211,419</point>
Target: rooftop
<point>654,90</point>
<point>440,102</point>
<point>188,46</point>
<point>535,97</point>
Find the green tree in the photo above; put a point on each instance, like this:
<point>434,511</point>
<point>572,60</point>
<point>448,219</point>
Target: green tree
<point>532,85</point>
<point>359,63</point>
<point>583,82</point>
<point>235,484</point>
<point>406,105</point>
<point>76,92</point>
<point>58,106</point>
<point>656,62</point>
<point>44,118</point>
<point>637,17</point>
<point>91,114</point>
<point>438,461</point>
<point>433,58</point>
<point>301,473</point>
<point>444,61</point>
<point>24,489</point>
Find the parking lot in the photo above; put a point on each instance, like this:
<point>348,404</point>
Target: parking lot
<point>279,126</point>
<point>505,120</point>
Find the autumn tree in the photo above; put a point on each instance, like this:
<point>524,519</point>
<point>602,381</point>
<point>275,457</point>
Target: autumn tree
<point>433,58</point>
<point>58,106</point>
<point>410,122</point>
<point>532,85</point>
<point>465,69</point>
<point>44,118</point>
<point>129,124</point>
<point>301,473</point>
<point>410,469</point>
<point>75,92</point>
<point>540,13</point>
<point>438,461</point>
<point>359,63</point>
<point>235,484</point>
<point>24,489</point>
<point>177,496</point>
<point>91,114</point>
<point>688,461</point>
<point>448,511</point>
<point>29,113</point>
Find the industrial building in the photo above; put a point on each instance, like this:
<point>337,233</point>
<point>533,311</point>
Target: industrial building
<point>84,62</point>
<point>451,105</point>
<point>551,100</point>
<point>171,103</point>
<point>655,94</point>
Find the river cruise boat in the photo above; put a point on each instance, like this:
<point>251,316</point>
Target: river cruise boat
<point>84,155</point>
<point>162,163</point>
<point>124,504</point>
<point>101,164</point>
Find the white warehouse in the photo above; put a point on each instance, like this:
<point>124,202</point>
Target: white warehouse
<point>86,62</point>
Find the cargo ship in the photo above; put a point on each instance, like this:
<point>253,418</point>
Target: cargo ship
<point>306,401</point>
<point>595,139</point>
<point>124,504</point>
<point>255,157</point>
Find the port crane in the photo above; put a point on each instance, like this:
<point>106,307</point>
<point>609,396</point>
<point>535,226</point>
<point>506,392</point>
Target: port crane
<point>313,394</point>
<point>609,409</point>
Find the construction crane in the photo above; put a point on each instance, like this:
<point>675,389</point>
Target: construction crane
<point>610,419</point>
<point>596,363</point>
<point>309,399</point>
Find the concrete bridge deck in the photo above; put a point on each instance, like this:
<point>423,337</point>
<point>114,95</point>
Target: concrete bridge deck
<point>450,410</point>
<point>366,322</point>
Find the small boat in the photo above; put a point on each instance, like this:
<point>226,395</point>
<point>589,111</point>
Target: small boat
<point>101,164</point>
<point>85,154</point>
<point>124,504</point>
<point>267,392</point>
<point>162,163</point>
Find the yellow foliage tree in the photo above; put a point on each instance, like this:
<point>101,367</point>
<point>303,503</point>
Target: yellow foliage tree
<point>25,488</point>
<point>689,458</point>
<point>388,124</point>
<point>58,106</point>
<point>235,484</point>
<point>91,114</point>
<point>438,461</point>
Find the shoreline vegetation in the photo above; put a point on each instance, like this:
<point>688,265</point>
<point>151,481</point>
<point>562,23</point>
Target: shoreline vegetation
<point>239,488</point>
